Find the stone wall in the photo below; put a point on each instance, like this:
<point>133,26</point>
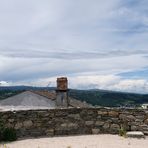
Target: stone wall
<point>72,121</point>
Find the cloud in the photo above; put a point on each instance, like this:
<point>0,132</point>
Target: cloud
<point>141,73</point>
<point>105,82</point>
<point>4,83</point>
<point>16,69</point>
<point>78,26</point>
<point>40,39</point>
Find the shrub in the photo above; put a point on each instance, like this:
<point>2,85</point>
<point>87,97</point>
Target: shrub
<point>1,130</point>
<point>122,132</point>
<point>9,134</point>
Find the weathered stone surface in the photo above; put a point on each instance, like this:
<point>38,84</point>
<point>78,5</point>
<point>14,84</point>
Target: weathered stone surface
<point>63,125</point>
<point>89,123</point>
<point>141,117</point>
<point>115,120</point>
<point>50,132</point>
<point>135,134</point>
<point>143,127</point>
<point>134,128</point>
<point>18,125</point>
<point>106,126</point>
<point>72,125</point>
<point>75,116</point>
<point>11,120</point>
<point>9,125</point>
<point>102,112</point>
<point>27,123</point>
<point>75,121</point>
<point>68,125</point>
<point>146,121</point>
<point>126,117</point>
<point>95,131</point>
<point>114,127</point>
<point>99,123</point>
<point>99,117</point>
<point>131,118</point>
<point>113,113</point>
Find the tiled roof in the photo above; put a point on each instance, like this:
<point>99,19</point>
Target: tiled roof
<point>52,95</point>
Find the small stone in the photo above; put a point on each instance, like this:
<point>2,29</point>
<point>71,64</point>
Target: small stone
<point>102,112</point>
<point>145,133</point>
<point>72,125</point>
<point>122,116</point>
<point>99,123</point>
<point>95,131</point>
<point>9,125</point>
<point>143,127</point>
<point>115,127</point>
<point>113,114</point>
<point>89,123</point>
<point>140,117</point>
<point>75,116</point>
<point>134,128</point>
<point>99,117</point>
<point>115,120</point>
<point>50,132</point>
<point>106,125</point>
<point>146,121</point>
<point>11,120</point>
<point>27,124</point>
<point>127,118</point>
<point>131,118</point>
<point>18,125</point>
<point>63,125</point>
<point>135,134</point>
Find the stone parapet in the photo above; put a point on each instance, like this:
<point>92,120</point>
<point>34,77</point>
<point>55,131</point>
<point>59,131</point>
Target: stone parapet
<point>34,123</point>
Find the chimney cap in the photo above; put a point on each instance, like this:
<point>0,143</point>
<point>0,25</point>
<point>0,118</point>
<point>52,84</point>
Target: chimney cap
<point>62,83</point>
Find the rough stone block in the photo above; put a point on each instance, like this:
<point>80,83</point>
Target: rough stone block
<point>50,132</point>
<point>106,126</point>
<point>113,113</point>
<point>102,113</point>
<point>146,121</point>
<point>134,128</point>
<point>11,120</point>
<point>72,125</point>
<point>74,116</point>
<point>135,134</point>
<point>95,131</point>
<point>126,117</point>
<point>18,125</point>
<point>27,123</point>
<point>99,123</point>
<point>89,123</point>
<point>114,127</point>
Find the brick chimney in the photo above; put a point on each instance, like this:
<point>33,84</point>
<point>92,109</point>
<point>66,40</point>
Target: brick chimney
<point>62,99</point>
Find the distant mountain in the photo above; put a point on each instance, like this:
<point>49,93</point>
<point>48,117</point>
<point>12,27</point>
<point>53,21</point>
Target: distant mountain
<point>109,98</point>
<point>8,91</point>
<point>94,97</point>
<point>20,88</point>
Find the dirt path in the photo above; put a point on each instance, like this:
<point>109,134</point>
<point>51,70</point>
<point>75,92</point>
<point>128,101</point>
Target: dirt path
<point>88,141</point>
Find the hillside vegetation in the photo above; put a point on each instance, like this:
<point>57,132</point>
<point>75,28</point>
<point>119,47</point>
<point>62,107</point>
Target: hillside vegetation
<point>109,98</point>
<point>94,97</point>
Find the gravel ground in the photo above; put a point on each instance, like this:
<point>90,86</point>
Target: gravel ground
<point>88,141</point>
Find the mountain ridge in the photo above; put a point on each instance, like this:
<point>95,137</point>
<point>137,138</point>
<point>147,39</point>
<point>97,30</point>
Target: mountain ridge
<point>95,97</point>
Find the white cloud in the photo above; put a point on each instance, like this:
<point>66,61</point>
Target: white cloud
<point>40,39</point>
<point>137,86</point>
<point>4,83</point>
<point>105,82</point>
<point>21,69</point>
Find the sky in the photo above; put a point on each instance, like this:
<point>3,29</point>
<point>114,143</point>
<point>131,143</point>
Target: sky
<point>99,44</point>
